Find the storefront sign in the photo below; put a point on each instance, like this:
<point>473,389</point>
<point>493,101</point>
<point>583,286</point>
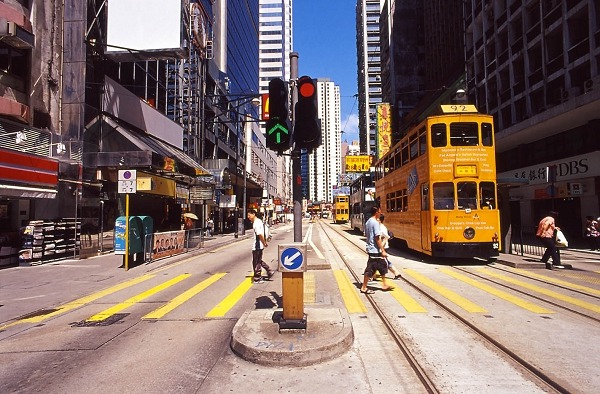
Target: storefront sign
<point>358,163</point>
<point>200,193</point>
<point>572,168</point>
<point>227,201</point>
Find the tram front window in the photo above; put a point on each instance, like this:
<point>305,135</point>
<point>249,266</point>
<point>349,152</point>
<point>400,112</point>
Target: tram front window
<point>443,195</point>
<point>467,195</point>
<point>487,195</point>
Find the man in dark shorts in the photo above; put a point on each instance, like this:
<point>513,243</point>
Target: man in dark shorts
<point>377,254</point>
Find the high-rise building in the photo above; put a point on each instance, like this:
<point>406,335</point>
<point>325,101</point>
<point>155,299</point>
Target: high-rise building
<point>535,66</point>
<point>275,45</point>
<point>325,162</point>
<point>369,72</point>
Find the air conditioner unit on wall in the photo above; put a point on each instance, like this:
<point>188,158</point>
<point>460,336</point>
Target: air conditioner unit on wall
<point>14,35</point>
<point>591,84</point>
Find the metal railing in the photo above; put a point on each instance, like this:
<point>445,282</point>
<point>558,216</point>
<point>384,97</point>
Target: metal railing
<point>523,241</point>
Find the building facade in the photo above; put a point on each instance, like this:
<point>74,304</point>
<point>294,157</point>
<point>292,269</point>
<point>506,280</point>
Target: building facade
<point>275,46</point>
<point>369,72</point>
<point>180,114</point>
<point>535,66</point>
<point>325,162</point>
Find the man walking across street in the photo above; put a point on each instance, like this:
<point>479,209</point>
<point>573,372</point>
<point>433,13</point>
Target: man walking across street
<point>257,248</point>
<point>377,254</point>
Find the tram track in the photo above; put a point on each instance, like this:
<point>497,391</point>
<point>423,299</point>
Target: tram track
<point>411,358</point>
<point>537,375</point>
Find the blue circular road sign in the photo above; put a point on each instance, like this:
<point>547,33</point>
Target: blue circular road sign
<point>292,258</point>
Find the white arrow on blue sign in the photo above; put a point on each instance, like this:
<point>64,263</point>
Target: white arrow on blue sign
<point>292,258</point>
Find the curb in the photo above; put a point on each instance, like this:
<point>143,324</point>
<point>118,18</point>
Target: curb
<point>257,338</point>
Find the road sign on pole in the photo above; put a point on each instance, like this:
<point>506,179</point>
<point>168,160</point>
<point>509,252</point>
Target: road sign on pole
<point>292,264</point>
<point>127,181</point>
<point>292,257</point>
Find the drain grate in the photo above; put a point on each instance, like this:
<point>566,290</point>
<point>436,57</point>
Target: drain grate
<point>101,323</point>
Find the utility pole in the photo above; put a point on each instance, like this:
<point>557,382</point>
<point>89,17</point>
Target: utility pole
<point>296,175</point>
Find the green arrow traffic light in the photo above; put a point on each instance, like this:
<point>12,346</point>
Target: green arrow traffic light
<point>281,128</point>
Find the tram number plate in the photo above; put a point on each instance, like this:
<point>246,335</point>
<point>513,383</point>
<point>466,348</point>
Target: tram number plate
<point>495,245</point>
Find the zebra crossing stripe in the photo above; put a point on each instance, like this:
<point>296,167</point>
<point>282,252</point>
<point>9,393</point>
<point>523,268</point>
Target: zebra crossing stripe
<point>520,302</point>
<point>135,299</point>
<point>446,293</point>
<point>183,297</point>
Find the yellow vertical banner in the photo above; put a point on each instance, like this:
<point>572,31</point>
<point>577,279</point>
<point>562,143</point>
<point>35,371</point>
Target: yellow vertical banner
<point>384,129</point>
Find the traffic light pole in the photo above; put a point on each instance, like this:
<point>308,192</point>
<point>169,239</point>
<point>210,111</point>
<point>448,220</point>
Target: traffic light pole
<point>296,175</point>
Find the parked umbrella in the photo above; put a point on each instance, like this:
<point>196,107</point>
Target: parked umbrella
<point>190,215</point>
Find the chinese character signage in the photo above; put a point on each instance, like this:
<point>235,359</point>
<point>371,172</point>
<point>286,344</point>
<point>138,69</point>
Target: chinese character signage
<point>358,163</point>
<point>384,129</point>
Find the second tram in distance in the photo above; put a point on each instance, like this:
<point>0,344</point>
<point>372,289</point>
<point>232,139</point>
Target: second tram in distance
<point>362,198</point>
<point>341,209</point>
<point>437,186</point>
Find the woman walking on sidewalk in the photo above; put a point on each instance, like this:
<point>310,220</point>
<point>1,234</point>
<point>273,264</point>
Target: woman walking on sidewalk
<point>546,233</point>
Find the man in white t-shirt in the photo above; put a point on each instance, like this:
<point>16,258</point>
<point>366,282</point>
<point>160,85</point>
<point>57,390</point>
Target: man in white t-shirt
<point>258,245</point>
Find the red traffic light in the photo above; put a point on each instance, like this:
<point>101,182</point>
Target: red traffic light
<point>306,87</point>
<point>307,127</point>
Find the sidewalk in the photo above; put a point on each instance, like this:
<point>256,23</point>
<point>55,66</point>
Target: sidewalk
<point>533,261</point>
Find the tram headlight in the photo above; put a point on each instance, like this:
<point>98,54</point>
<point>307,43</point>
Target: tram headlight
<point>469,233</point>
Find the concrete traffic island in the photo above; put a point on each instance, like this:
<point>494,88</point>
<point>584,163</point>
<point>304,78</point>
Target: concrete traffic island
<point>257,337</point>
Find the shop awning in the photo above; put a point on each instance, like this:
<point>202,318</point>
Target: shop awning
<point>30,170</point>
<point>27,192</point>
<point>121,145</point>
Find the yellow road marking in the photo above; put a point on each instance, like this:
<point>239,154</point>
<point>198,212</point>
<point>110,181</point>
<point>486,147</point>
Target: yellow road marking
<point>310,292</point>
<point>410,304</point>
<point>561,282</point>
<point>351,299</point>
<point>81,301</point>
<point>530,306</point>
<point>445,292</point>
<point>135,299</point>
<point>549,293</point>
<point>228,302</point>
<point>183,297</point>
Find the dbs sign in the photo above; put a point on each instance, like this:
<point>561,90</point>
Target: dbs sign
<point>265,106</point>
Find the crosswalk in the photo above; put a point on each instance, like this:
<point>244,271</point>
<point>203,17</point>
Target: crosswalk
<point>413,305</point>
<point>446,283</point>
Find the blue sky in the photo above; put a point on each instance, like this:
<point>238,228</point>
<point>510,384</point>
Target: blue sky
<point>325,39</point>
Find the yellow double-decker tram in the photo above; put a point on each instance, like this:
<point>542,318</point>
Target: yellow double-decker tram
<point>341,209</point>
<point>437,186</point>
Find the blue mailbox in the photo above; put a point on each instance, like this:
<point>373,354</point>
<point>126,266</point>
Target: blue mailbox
<point>136,234</point>
<point>148,230</point>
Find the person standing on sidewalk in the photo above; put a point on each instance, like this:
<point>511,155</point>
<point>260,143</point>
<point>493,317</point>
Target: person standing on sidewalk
<point>546,233</point>
<point>591,233</point>
<point>377,254</point>
<point>257,248</point>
